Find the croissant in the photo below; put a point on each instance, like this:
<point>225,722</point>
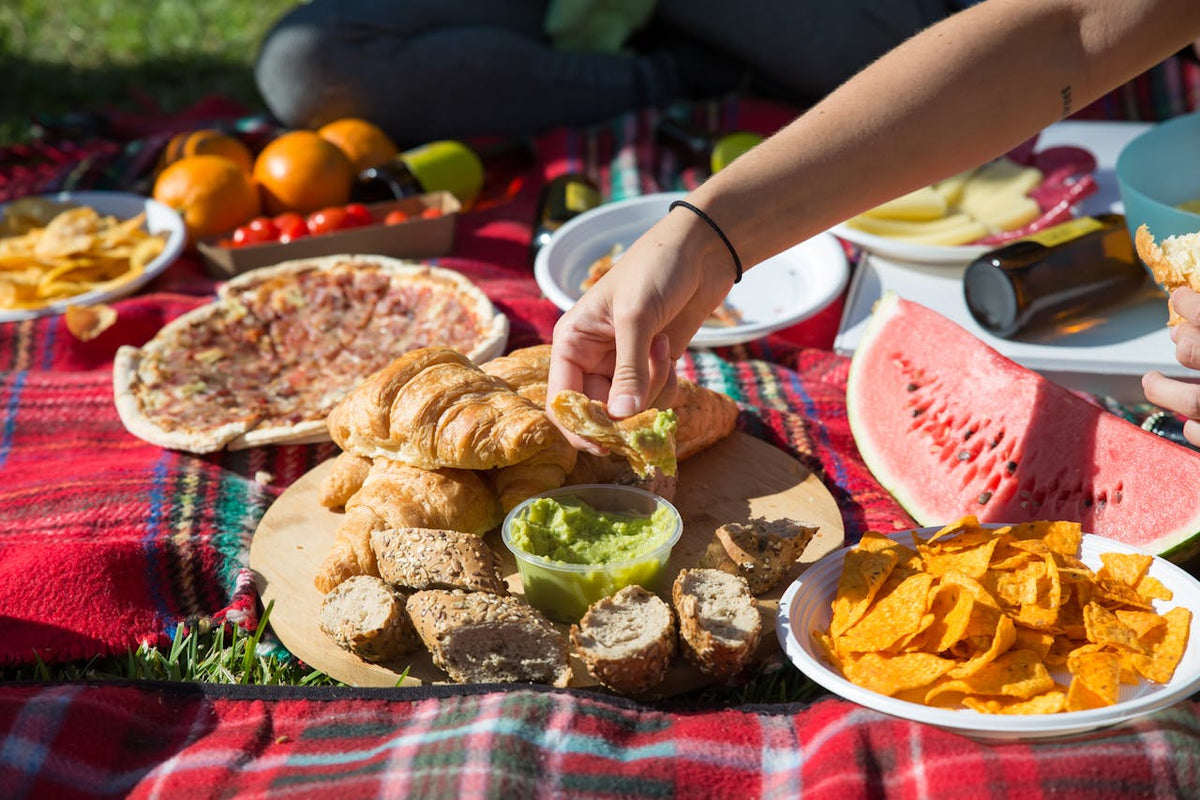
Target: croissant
<point>547,469</point>
<point>525,370</point>
<point>344,479</point>
<point>434,408</point>
<point>705,417</point>
<point>395,495</point>
<point>646,439</point>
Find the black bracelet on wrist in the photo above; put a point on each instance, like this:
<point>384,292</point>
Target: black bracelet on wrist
<point>737,262</point>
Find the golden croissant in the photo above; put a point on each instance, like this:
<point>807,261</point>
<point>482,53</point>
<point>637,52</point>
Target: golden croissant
<point>434,408</point>
<point>395,495</point>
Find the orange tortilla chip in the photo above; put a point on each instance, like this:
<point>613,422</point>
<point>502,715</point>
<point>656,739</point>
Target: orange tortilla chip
<point>1166,647</point>
<point>863,574</point>
<point>1100,672</point>
<point>892,617</point>
<point>1017,673</point>
<point>892,674</point>
<point>1151,588</point>
<point>1128,568</point>
<point>1103,627</point>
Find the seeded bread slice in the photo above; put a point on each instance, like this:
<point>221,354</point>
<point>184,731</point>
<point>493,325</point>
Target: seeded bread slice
<point>429,558</point>
<point>719,623</point>
<point>762,552</point>
<point>364,615</point>
<point>627,640</point>
<point>480,637</point>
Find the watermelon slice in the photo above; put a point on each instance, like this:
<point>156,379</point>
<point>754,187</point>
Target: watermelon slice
<point>951,427</point>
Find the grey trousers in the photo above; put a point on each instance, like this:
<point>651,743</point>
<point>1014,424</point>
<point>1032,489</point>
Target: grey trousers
<point>431,69</point>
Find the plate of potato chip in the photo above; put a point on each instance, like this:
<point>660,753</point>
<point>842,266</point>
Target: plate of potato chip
<point>1015,631</point>
<point>81,248</point>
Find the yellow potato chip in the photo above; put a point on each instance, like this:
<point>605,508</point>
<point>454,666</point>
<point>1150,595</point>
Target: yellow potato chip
<point>889,674</point>
<point>1128,568</point>
<point>863,573</point>
<point>892,617</point>
<point>1166,646</point>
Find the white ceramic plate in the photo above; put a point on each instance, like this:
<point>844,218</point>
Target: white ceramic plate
<point>909,252</point>
<point>805,607</point>
<point>779,292</point>
<point>159,219</point>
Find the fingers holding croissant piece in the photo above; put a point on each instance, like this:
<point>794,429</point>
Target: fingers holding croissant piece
<point>646,439</point>
<point>434,408</point>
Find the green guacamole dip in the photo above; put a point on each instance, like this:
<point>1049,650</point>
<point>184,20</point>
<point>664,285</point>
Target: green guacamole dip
<point>571,531</point>
<point>658,441</point>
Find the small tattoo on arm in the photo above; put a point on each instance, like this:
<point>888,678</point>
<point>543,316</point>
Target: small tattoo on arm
<point>1065,95</point>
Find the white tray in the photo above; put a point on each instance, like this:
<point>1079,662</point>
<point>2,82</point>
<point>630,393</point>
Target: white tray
<point>1106,357</point>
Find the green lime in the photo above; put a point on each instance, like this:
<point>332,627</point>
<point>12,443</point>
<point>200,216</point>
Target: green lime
<point>730,146</point>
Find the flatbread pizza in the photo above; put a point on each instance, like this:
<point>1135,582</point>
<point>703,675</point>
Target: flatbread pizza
<point>280,346</point>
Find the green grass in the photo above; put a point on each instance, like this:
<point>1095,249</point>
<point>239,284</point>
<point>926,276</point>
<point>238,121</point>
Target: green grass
<point>63,57</point>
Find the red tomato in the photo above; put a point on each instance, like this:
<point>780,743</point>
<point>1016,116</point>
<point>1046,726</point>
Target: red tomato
<point>327,220</point>
<point>358,215</point>
<point>431,212</point>
<point>256,231</point>
<point>290,226</point>
<point>395,217</point>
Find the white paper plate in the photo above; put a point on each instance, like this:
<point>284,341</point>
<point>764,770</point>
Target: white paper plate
<point>159,219</point>
<point>805,607</point>
<point>910,252</point>
<point>779,292</point>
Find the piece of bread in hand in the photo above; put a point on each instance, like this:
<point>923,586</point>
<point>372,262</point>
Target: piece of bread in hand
<point>480,637</point>
<point>428,558</point>
<point>762,552</point>
<point>719,622</point>
<point>627,640</point>
<point>1175,262</point>
<point>647,439</point>
<point>367,617</point>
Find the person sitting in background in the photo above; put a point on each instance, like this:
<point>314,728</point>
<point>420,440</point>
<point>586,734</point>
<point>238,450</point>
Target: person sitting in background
<point>454,69</point>
<point>956,95</point>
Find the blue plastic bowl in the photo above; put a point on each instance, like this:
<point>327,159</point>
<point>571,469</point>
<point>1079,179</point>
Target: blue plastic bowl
<point>1156,172</point>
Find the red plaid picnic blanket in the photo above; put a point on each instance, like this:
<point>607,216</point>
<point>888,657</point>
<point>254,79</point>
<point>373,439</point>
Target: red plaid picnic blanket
<point>107,542</point>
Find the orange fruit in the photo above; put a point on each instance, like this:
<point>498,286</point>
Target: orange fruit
<point>363,142</point>
<point>212,194</point>
<point>210,142</point>
<point>299,171</point>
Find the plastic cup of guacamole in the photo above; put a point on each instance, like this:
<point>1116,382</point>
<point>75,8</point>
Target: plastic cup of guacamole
<point>578,544</point>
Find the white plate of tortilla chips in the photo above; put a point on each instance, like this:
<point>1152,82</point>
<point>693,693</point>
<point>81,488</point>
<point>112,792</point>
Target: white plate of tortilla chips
<point>993,692</point>
<point>81,248</point>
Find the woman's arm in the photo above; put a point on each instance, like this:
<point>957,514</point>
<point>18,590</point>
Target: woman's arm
<point>952,97</point>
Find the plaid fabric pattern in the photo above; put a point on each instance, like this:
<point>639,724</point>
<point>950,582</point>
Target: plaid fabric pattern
<point>107,542</point>
<point>108,741</point>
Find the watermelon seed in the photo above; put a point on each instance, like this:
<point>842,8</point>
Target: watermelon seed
<point>970,432</point>
<point>983,498</point>
<point>912,387</point>
<point>1087,502</point>
<point>918,412</point>
<point>1010,467</point>
<point>963,455</point>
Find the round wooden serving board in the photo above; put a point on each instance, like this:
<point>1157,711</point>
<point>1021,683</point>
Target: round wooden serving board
<point>735,479</point>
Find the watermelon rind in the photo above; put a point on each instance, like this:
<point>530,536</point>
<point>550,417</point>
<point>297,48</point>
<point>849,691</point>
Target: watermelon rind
<point>951,427</point>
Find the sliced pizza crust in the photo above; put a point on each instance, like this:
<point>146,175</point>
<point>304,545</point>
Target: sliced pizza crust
<point>280,346</point>
<point>646,439</point>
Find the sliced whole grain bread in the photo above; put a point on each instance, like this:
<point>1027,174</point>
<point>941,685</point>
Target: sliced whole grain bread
<point>719,622</point>
<point>430,558</point>
<point>366,616</point>
<point>627,640</point>
<point>481,637</point>
<point>760,551</point>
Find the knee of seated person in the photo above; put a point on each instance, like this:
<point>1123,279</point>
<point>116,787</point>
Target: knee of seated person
<point>296,79</point>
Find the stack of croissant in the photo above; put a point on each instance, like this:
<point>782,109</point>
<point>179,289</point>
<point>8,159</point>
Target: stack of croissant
<point>436,441</point>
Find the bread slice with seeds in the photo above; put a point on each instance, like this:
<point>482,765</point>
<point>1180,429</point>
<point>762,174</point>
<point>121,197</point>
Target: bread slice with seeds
<point>480,637</point>
<point>429,558</point>
<point>627,640</point>
<point>719,622</point>
<point>364,615</point>
<point>760,551</point>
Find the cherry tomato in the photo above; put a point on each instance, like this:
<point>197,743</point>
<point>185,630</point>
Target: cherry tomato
<point>256,231</point>
<point>327,220</point>
<point>290,226</point>
<point>431,213</point>
<point>395,217</point>
<point>358,215</point>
